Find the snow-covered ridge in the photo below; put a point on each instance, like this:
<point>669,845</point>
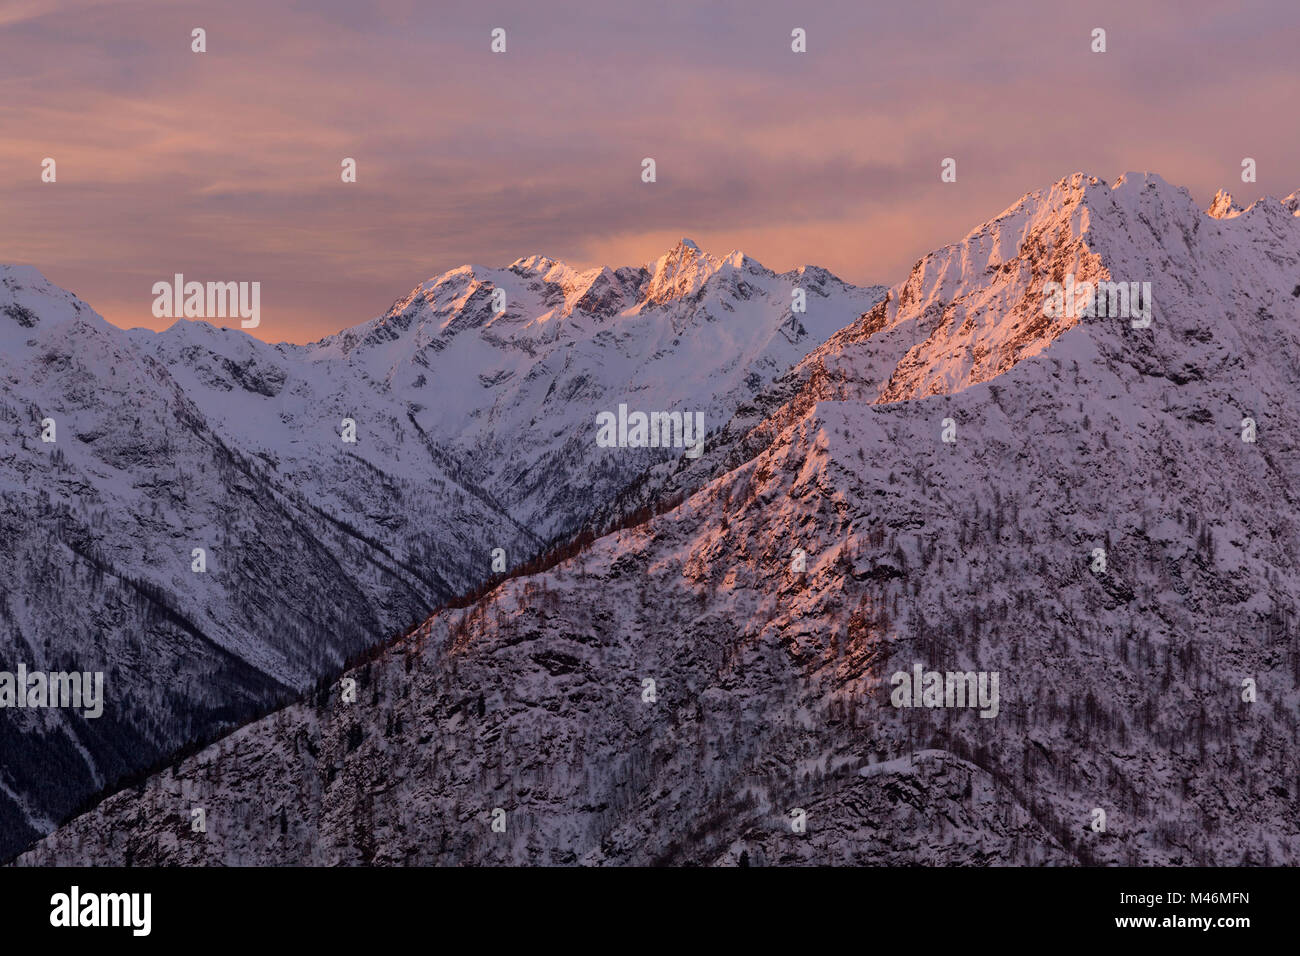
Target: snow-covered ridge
<point>970,312</point>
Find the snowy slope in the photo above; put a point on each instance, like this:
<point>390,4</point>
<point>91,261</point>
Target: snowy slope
<point>1121,690</point>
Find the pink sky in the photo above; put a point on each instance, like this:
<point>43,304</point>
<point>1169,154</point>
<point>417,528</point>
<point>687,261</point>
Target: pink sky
<point>225,165</point>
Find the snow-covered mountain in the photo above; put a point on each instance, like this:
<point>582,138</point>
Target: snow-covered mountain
<point>100,527</point>
<point>474,431</point>
<point>954,480</point>
<point>514,392</point>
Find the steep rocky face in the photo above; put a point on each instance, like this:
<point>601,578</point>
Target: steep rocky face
<point>313,548</point>
<point>1096,533</point>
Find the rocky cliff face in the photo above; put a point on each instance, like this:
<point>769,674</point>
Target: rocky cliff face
<point>954,482</point>
<point>314,548</point>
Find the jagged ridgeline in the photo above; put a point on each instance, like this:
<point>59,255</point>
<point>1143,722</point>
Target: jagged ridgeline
<point>1097,509</point>
<point>215,523</point>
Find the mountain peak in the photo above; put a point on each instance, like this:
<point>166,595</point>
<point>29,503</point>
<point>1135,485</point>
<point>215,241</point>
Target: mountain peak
<point>1223,206</point>
<point>28,298</point>
<point>1151,180</point>
<point>680,272</point>
<point>534,264</point>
